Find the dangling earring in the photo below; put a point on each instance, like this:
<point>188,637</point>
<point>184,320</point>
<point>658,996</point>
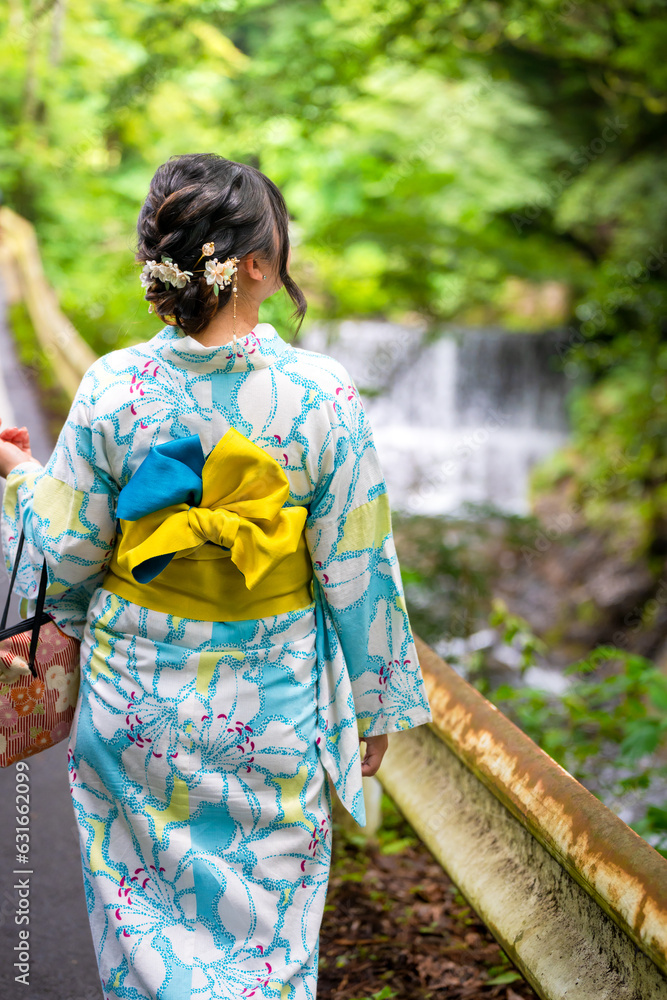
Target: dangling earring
<point>234,295</point>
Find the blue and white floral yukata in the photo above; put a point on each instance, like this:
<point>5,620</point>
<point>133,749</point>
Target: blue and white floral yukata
<point>199,748</point>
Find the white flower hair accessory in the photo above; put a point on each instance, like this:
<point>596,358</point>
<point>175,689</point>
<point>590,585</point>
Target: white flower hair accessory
<point>168,272</point>
<point>220,274</point>
<point>217,273</point>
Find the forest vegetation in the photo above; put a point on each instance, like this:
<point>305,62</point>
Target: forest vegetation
<point>488,163</point>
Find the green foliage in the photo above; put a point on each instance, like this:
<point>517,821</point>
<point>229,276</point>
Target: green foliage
<point>394,835</point>
<point>617,459</point>
<point>515,631</point>
<point>384,994</point>
<point>509,976</point>
<point>445,569</point>
<point>608,729</point>
<point>417,133</point>
<point>445,159</point>
<point>450,160</point>
<point>611,719</point>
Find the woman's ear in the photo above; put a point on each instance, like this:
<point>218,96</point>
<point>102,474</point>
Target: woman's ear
<point>254,268</point>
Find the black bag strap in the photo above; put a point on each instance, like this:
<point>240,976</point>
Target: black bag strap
<point>25,625</point>
<point>39,615</point>
<point>19,550</point>
<point>37,620</point>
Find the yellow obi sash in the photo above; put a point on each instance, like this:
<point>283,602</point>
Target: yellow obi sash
<point>210,539</point>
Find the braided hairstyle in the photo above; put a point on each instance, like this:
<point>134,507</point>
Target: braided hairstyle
<point>197,198</point>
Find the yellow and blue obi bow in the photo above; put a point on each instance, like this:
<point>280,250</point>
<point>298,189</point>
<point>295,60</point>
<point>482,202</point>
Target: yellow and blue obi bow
<point>177,501</point>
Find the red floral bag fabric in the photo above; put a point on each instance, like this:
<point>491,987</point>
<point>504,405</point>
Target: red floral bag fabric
<point>39,681</point>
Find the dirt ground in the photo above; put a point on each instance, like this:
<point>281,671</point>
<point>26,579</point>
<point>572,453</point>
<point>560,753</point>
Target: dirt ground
<point>396,927</point>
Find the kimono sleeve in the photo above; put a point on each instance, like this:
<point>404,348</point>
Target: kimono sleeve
<point>67,510</point>
<point>349,535</point>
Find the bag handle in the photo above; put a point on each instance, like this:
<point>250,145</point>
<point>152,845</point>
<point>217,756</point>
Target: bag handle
<point>39,616</point>
<point>19,550</point>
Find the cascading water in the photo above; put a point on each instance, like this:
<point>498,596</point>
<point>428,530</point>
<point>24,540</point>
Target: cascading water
<point>458,418</point>
<point>462,417</point>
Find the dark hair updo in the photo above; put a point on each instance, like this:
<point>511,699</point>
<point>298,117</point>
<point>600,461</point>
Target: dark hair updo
<point>199,198</point>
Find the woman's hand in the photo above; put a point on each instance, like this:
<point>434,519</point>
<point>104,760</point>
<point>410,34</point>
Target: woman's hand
<point>375,751</point>
<point>14,448</point>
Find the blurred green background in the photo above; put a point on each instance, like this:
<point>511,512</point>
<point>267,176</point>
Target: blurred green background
<point>478,162</point>
<point>488,162</point>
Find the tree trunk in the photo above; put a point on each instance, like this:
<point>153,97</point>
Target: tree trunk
<point>56,50</point>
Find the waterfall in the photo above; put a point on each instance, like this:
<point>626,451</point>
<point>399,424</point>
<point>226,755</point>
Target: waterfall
<point>459,417</point>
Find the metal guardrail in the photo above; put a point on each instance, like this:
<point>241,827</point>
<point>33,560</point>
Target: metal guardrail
<point>574,896</point>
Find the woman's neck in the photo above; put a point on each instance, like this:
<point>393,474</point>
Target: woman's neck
<point>220,330</point>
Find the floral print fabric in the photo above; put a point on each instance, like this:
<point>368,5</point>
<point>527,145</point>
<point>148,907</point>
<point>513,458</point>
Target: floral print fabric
<point>36,712</point>
<point>199,750</point>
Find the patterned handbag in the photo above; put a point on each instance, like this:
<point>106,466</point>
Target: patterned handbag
<point>39,679</point>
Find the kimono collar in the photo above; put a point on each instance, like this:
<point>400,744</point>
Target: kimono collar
<point>258,349</point>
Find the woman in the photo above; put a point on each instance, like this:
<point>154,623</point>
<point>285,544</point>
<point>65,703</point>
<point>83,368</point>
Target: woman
<point>217,533</point>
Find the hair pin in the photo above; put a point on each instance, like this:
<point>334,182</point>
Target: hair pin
<point>218,273</point>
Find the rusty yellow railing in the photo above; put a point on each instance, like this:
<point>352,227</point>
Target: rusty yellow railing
<point>62,346</point>
<point>573,895</point>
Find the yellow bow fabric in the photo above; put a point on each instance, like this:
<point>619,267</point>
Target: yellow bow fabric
<point>241,508</point>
